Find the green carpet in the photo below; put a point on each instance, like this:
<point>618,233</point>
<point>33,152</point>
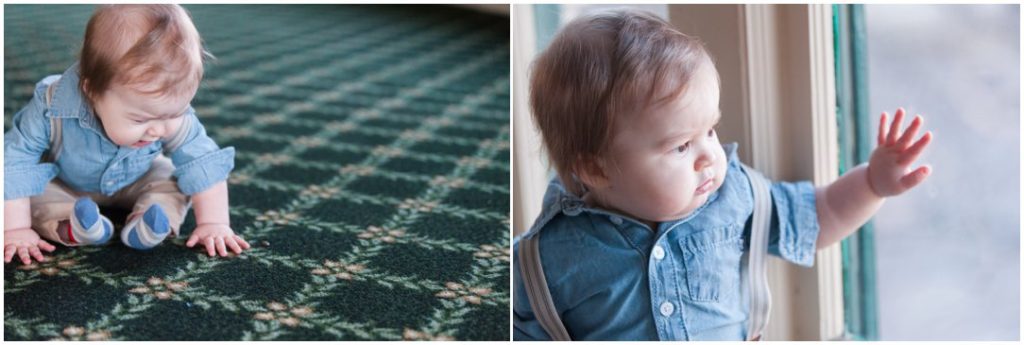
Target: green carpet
<point>371,178</point>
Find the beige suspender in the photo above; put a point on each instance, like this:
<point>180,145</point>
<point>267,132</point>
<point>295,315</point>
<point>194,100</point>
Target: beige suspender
<point>760,296</point>
<point>56,128</point>
<point>179,137</point>
<point>537,289</point>
<point>532,271</point>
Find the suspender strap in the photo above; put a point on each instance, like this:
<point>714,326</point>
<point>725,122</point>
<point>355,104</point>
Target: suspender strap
<point>537,289</point>
<point>760,296</point>
<point>178,138</point>
<point>56,128</point>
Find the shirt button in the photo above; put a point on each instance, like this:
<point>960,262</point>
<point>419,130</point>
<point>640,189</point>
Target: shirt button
<point>667,309</point>
<point>110,183</point>
<point>616,220</point>
<point>658,252</point>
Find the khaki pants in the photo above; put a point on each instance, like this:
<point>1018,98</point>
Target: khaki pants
<point>155,187</point>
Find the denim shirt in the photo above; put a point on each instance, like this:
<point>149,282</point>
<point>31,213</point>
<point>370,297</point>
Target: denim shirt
<point>89,161</point>
<point>613,278</point>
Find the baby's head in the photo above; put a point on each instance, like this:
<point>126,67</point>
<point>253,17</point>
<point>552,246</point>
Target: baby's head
<point>627,107</point>
<point>140,67</point>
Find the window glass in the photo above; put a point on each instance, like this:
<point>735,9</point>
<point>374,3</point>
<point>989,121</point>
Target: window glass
<point>948,251</point>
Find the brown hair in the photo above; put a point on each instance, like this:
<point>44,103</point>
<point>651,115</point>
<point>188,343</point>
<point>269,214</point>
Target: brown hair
<point>134,45</point>
<point>601,67</point>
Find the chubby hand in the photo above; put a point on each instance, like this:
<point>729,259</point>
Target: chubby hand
<point>217,237</point>
<point>26,243</point>
<point>889,171</point>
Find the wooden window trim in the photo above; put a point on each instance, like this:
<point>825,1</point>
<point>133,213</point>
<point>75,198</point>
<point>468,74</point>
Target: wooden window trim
<point>778,81</point>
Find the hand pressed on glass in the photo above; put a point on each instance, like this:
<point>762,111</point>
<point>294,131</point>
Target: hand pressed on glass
<point>889,169</point>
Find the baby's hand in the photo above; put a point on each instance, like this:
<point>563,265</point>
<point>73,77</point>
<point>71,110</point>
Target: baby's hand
<point>26,243</point>
<point>217,236</point>
<point>889,169</point>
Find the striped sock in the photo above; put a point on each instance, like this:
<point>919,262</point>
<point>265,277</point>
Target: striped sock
<point>147,231</point>
<point>87,225</point>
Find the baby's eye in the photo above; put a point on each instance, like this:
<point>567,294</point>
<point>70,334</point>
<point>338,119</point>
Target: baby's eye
<point>138,121</point>
<point>711,132</point>
<point>683,148</point>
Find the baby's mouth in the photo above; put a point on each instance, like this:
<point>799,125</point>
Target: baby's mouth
<point>705,187</point>
<point>709,182</point>
<point>141,143</point>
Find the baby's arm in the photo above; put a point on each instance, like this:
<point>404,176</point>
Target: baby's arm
<point>213,225</point>
<point>18,234</point>
<point>846,204</point>
<point>25,176</point>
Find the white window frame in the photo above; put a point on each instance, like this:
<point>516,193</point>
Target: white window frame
<point>529,162</point>
<point>778,91</point>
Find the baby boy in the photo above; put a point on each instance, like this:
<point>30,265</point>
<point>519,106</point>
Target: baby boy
<point>101,134</point>
<point>642,232</point>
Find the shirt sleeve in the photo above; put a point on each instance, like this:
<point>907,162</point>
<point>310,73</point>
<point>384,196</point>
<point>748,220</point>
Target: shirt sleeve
<point>24,144</point>
<point>525,326</point>
<point>199,163</point>
<point>794,230</point>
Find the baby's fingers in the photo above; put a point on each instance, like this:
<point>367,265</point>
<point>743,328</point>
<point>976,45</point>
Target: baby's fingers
<point>881,129</point>
<point>245,245</point>
<point>23,254</point>
<point>231,242</point>
<point>36,254</point>
<point>910,155</point>
<point>894,129</point>
<point>220,246</point>
<point>209,246</point>
<point>192,240</point>
<point>9,251</point>
<point>915,177</point>
<point>909,135</point>
<point>46,246</point>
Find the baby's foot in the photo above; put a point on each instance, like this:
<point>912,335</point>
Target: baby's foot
<point>87,226</point>
<point>147,231</point>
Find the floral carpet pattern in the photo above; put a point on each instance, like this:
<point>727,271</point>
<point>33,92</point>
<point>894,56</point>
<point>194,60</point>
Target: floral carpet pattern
<point>371,178</point>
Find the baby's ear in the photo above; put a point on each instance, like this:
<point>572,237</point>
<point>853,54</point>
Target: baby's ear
<point>85,90</point>
<point>592,173</point>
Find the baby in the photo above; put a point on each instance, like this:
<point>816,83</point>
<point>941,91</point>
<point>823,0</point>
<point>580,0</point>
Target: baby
<point>100,129</point>
<point>642,232</point>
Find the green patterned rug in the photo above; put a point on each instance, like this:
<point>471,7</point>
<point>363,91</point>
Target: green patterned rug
<point>371,178</point>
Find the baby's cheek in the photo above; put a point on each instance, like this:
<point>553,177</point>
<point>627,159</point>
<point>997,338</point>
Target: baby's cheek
<point>675,196</point>
<point>175,126</point>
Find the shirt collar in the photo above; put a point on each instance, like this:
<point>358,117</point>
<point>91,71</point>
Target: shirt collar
<point>69,101</point>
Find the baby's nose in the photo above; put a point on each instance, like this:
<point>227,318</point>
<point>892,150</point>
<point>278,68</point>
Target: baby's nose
<point>705,160</point>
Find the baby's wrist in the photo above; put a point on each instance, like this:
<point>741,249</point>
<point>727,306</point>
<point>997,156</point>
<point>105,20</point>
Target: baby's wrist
<point>213,224</point>
<point>871,183</point>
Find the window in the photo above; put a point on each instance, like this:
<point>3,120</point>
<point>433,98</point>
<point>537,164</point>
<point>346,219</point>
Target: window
<point>943,263</point>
